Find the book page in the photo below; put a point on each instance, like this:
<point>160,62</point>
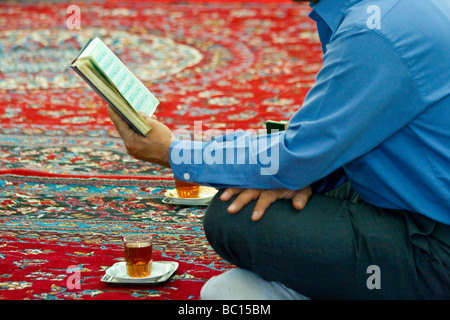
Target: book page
<point>131,88</point>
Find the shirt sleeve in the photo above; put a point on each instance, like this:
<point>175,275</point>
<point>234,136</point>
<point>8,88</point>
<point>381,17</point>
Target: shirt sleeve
<point>363,94</point>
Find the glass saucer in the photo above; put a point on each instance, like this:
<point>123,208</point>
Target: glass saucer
<point>161,271</point>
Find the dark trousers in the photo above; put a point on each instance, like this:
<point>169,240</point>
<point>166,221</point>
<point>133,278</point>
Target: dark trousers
<point>337,247</point>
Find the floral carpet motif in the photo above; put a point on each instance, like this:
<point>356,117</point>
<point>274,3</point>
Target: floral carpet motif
<point>69,191</point>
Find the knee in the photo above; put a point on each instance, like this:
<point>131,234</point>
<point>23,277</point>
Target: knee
<point>213,221</point>
<point>225,232</point>
<point>214,211</point>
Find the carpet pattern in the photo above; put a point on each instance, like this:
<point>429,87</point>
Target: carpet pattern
<point>69,191</point>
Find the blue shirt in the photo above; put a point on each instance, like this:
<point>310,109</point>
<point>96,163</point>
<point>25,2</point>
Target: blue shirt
<point>377,116</point>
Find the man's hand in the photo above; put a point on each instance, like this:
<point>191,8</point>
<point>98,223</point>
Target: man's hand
<point>265,199</point>
<point>154,148</point>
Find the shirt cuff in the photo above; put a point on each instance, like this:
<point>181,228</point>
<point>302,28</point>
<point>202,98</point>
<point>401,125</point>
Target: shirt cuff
<point>184,153</point>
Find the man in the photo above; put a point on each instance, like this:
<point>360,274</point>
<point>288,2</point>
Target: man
<point>366,159</point>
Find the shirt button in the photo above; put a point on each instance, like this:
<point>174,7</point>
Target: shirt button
<point>186,176</point>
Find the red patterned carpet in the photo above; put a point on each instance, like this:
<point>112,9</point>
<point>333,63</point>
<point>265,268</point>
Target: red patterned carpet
<point>69,191</point>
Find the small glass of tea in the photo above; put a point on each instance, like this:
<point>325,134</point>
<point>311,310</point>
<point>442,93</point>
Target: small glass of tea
<point>187,189</point>
<point>138,255</point>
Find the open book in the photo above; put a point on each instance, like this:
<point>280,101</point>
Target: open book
<point>116,84</point>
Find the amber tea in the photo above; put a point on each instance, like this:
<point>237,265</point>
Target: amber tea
<point>138,255</point>
<point>187,189</point>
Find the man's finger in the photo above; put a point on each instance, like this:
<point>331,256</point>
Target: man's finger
<point>243,199</point>
<point>266,198</point>
<point>229,193</point>
<point>301,197</point>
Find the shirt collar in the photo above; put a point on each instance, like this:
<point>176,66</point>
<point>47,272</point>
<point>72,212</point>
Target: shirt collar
<point>331,11</point>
